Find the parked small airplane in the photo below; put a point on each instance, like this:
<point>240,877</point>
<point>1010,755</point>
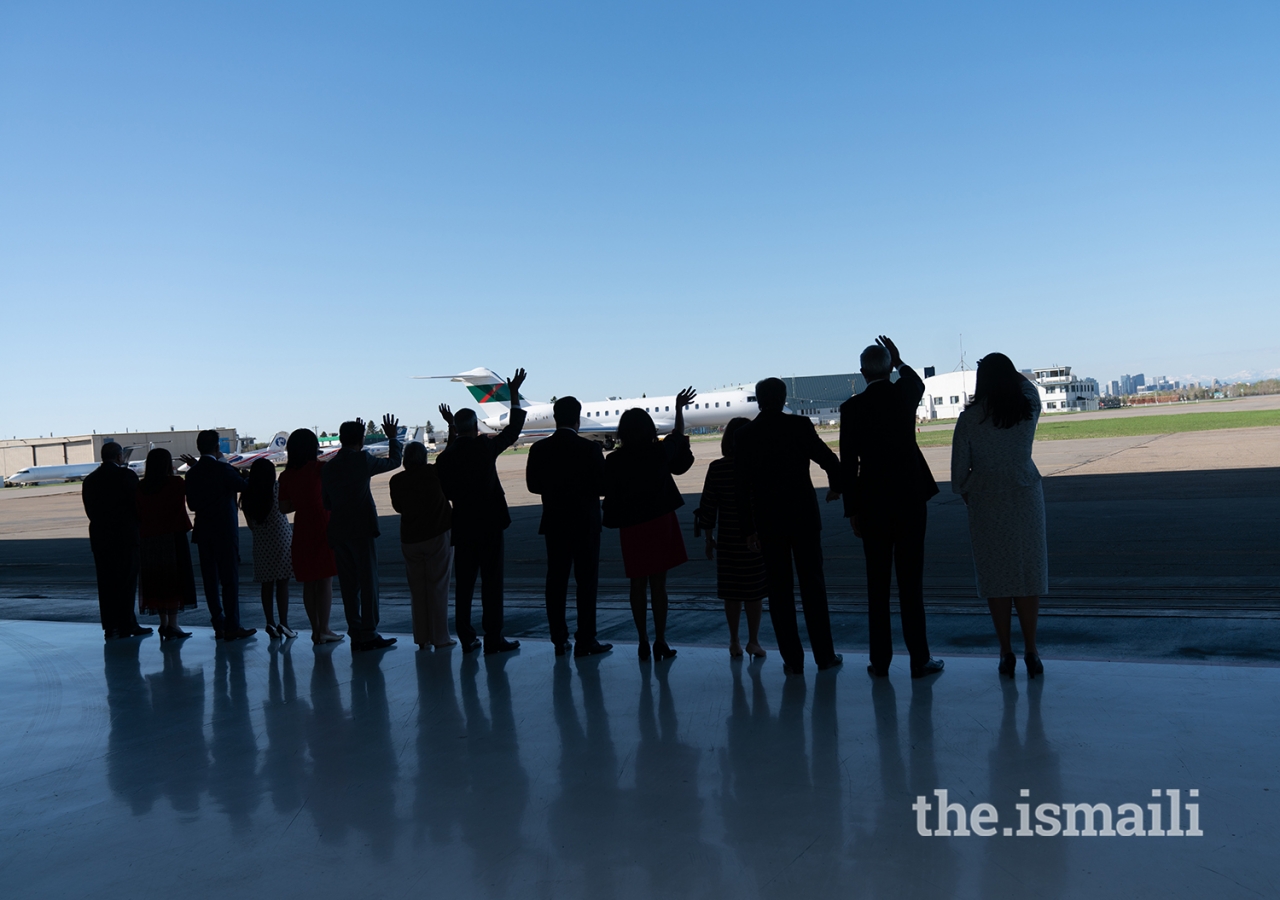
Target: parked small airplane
<point>72,472</point>
<point>380,448</point>
<point>273,451</point>
<point>600,417</point>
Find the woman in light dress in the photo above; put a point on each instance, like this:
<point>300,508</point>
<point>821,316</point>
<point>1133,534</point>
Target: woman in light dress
<point>991,469</point>
<point>272,544</point>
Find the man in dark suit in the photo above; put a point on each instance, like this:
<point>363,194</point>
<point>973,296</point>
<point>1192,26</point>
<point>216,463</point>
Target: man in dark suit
<point>779,513</point>
<point>212,487</point>
<point>888,484</point>
<point>469,473</point>
<point>353,527</point>
<point>568,471</point>
<point>109,495</point>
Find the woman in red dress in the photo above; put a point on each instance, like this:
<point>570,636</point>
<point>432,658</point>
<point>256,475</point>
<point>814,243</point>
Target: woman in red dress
<point>166,580</point>
<point>313,562</point>
<point>641,499</point>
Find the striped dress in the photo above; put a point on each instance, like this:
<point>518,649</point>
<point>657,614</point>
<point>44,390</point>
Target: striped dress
<point>739,572</point>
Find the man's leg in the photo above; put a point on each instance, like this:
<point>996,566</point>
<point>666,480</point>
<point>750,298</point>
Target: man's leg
<point>559,561</point>
<point>229,576</point>
<point>877,547</point>
<point>349,584</point>
<point>909,530</point>
<point>586,577</point>
<point>491,593</point>
<point>106,567</point>
<point>209,576</point>
<point>127,611</point>
<point>369,615</point>
<point>466,565</point>
<point>782,600</point>
<point>813,597</point>
<point>439,564</point>
<point>415,571</point>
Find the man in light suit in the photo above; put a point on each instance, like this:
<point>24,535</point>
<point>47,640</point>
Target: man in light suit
<point>568,471</point>
<point>353,527</point>
<point>212,488</point>
<point>888,484</point>
<point>778,511</point>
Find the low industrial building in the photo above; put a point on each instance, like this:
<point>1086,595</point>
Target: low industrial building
<point>19,453</point>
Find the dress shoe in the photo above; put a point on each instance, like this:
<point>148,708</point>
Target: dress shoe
<point>236,634</point>
<point>174,634</point>
<point>563,648</point>
<point>110,634</point>
<point>446,645</point>
<point>271,630</point>
<point>662,650</point>
<point>471,646</point>
<point>878,673</point>
<point>932,667</point>
<point>1034,666</point>
<point>378,643</point>
<point>787,670</point>
<point>642,650</point>
<point>136,631</point>
<point>834,663</point>
<point>592,649</point>
<point>1008,662</point>
<point>502,646</point>
<point>285,633</point>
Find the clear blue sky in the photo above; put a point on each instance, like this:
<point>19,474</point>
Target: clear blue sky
<point>271,215</point>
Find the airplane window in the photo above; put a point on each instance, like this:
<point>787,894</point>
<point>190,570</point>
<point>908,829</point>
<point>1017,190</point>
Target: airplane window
<point>668,408</point>
<point>695,406</point>
<point>751,399</point>
<point>717,406</point>
<point>727,403</point>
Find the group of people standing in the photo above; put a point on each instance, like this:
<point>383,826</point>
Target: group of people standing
<point>758,509</point>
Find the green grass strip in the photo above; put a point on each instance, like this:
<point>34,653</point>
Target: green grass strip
<point>1064,429</point>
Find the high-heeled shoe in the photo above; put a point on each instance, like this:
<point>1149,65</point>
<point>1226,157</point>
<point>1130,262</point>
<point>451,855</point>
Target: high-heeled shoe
<point>1008,663</point>
<point>643,651</point>
<point>272,631</point>
<point>735,651</point>
<point>284,632</point>
<point>662,651</point>
<point>1034,666</point>
<point>756,651</point>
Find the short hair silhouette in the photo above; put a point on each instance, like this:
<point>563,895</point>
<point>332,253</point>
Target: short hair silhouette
<point>567,412</point>
<point>260,491</point>
<point>111,452</point>
<point>465,419</point>
<point>351,434</point>
<point>998,390</point>
<point>159,468</point>
<point>726,442</point>
<point>415,455</point>
<point>771,394</point>
<point>876,362</point>
<point>302,447</point>
<point>636,428</point>
<point>207,441</point>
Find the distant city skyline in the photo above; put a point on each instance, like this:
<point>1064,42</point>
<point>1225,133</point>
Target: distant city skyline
<point>273,216</point>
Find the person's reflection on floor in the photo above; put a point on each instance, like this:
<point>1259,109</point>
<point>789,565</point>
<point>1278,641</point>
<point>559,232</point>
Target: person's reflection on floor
<point>130,744</point>
<point>177,709</point>
<point>892,859</point>
<point>667,811</point>
<point>491,822</point>
<point>328,730</point>
<point>233,776</point>
<point>442,781</point>
<point>583,819</point>
<point>825,813</point>
<point>371,759</point>
<point>748,787</point>
<point>1023,864</point>
<point>283,765</point>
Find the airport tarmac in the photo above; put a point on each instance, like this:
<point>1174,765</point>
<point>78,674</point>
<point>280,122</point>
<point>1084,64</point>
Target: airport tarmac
<point>204,769</point>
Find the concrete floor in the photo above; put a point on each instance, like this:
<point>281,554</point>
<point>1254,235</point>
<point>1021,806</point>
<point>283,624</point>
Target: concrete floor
<point>132,769</point>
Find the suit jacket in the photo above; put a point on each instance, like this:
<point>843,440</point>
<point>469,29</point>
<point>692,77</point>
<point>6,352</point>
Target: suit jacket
<point>771,468</point>
<point>638,486</point>
<point>568,471</point>
<point>882,463</point>
<point>468,470</point>
<point>344,490</point>
<point>212,486</point>
<point>109,494</point>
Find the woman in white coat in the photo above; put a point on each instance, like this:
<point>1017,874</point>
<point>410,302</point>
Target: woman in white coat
<point>991,469</point>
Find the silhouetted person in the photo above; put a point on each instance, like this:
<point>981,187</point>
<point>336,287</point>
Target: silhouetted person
<point>740,579</point>
<point>166,580</point>
<point>778,508</point>
<point>468,469</point>
<point>425,520</point>
<point>567,470</point>
<point>353,527</point>
<point>991,469</point>
<point>272,544</point>
<point>109,494</point>
<point>888,484</point>
<point>640,500</point>
<point>310,553</point>
<point>212,486</point>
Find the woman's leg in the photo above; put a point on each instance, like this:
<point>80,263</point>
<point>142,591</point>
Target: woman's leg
<point>658,588</point>
<point>324,604</point>
<point>268,588</point>
<point>754,610</point>
<point>639,612</point>
<point>309,591</point>
<point>1028,614</point>
<point>1002,617</point>
<point>282,600</point>
<point>733,614</point>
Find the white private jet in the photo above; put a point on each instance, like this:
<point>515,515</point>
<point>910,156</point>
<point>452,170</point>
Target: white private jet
<point>600,417</point>
<point>72,472</point>
<point>274,451</point>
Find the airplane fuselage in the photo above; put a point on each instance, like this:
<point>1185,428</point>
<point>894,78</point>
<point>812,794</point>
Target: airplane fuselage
<point>711,410</point>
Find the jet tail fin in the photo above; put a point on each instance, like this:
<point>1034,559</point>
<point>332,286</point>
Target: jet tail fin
<point>485,385</point>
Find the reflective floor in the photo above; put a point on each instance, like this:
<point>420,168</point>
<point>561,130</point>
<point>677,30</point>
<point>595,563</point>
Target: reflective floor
<point>132,769</point>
